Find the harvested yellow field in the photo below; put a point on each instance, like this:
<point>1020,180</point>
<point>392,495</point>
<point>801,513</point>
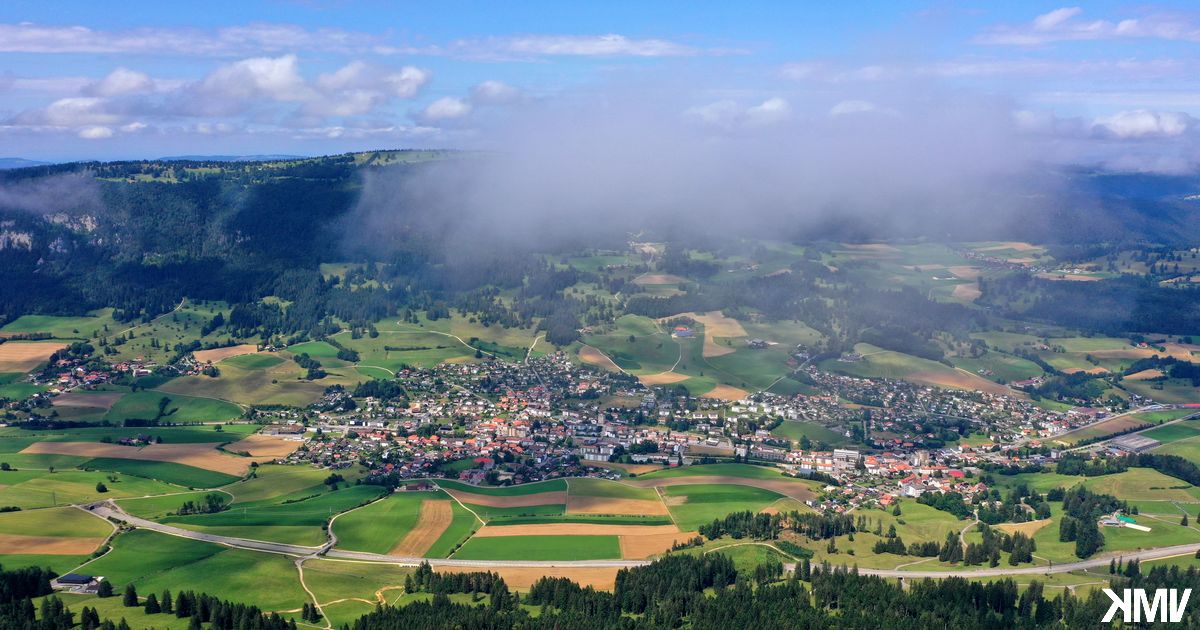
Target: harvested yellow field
<point>1145,375</point>
<point>16,356</point>
<point>725,392</point>
<point>592,356</point>
<point>1029,528</point>
<point>1095,370</point>
<point>432,521</point>
<point>1072,277</point>
<point>96,399</point>
<point>875,248</point>
<point>264,446</point>
<point>612,505</point>
<point>574,529</point>
<point>969,292</point>
<point>641,547</point>
<point>635,469</point>
<point>199,455</point>
<point>48,545</point>
<point>966,272</point>
<point>716,325</point>
<point>219,354</point>
<point>960,379</point>
<point>520,500</point>
<point>601,578</point>
<point>658,278</point>
<point>662,378</point>
<point>1017,245</point>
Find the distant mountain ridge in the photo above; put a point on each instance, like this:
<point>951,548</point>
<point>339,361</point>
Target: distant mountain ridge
<point>231,158</point>
<point>16,162</point>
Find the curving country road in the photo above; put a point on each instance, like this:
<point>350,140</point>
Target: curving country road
<point>110,510</point>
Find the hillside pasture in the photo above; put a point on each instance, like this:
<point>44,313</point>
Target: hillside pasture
<point>56,532</point>
<point>145,405</point>
<point>29,489</point>
<point>282,383</point>
<point>880,363</point>
<point>202,456</point>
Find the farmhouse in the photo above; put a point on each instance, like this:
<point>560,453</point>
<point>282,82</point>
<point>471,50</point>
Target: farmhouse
<point>77,583</point>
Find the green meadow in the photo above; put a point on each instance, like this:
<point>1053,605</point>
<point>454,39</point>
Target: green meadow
<point>696,505</point>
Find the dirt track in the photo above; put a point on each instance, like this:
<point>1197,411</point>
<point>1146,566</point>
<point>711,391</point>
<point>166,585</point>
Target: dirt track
<point>432,521</point>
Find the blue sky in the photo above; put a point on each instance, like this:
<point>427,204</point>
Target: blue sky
<point>1110,81</point>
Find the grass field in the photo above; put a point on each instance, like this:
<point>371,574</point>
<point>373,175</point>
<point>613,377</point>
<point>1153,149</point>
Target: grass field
<point>880,363</point>
<point>12,389</point>
<point>1002,366</point>
<point>178,474</point>
<point>59,564</point>
<point>158,507</point>
<point>66,522</point>
<point>181,408</point>
<point>1174,432</point>
<point>63,327</point>
<point>793,430</point>
<point>280,384</point>
<point>295,523</point>
<point>460,529</point>
<point>541,548</point>
<point>378,527</point>
<point>554,485</point>
<point>725,470</point>
<point>610,489</point>
<point>276,482</point>
<point>693,506</point>
<point>154,562</point>
<point>1143,484</point>
<point>39,488</point>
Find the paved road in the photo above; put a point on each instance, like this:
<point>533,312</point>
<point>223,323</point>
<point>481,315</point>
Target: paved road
<point>110,510</point>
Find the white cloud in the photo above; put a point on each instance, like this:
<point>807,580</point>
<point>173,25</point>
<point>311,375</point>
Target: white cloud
<point>1061,25</point>
<point>769,112</point>
<point>230,41</point>
<point>494,93</point>
<point>445,108</point>
<point>1144,124</point>
<point>852,107</point>
<point>95,133</point>
<point>728,114</point>
<point>273,78</point>
<point>121,81</point>
<point>76,111</point>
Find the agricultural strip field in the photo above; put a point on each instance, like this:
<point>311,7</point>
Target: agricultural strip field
<point>1124,423</point>
<point>603,578</point>
<point>540,548</point>
<point>177,474</point>
<point>199,455</point>
<point>19,356</point>
<point>276,482</point>
<point>55,531</point>
<point>263,446</point>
